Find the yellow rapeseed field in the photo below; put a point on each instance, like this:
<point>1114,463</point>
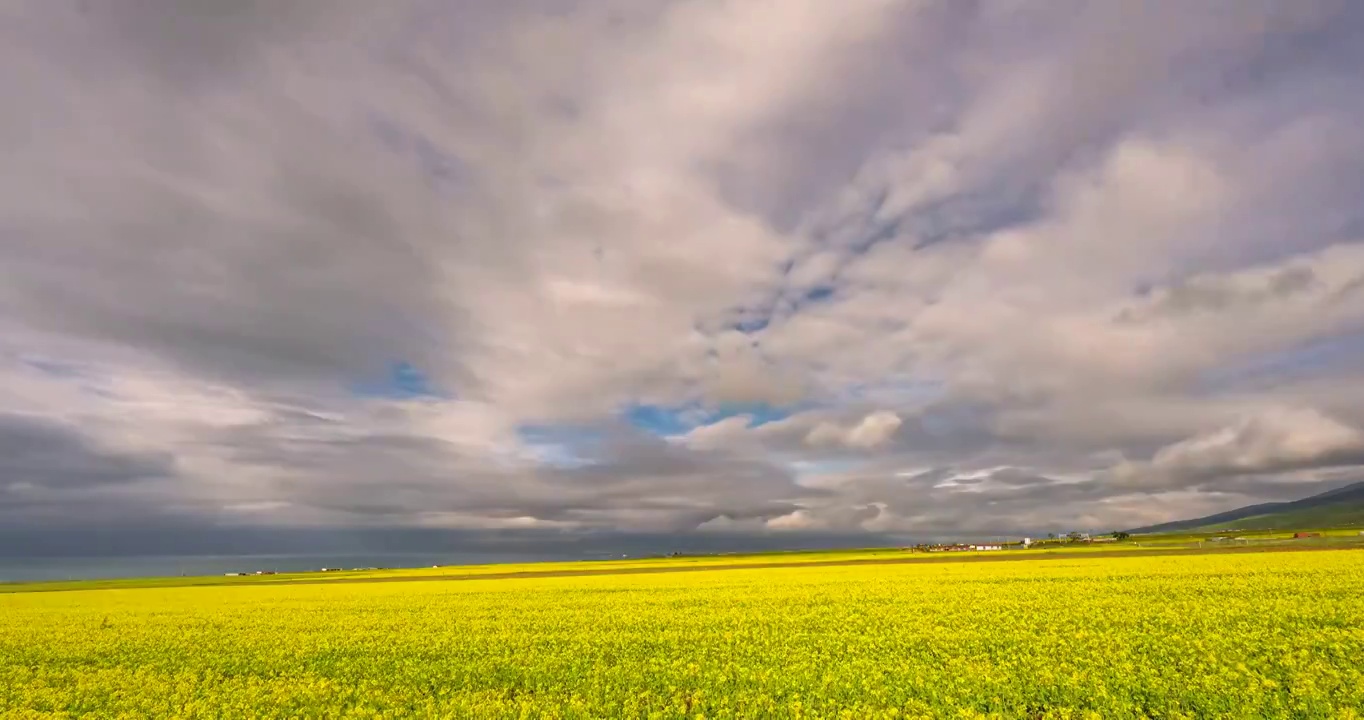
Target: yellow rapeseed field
<point>1276,635</point>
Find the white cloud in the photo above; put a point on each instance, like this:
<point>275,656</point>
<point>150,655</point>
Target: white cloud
<point>796,520</point>
<point>1275,440</point>
<point>873,430</point>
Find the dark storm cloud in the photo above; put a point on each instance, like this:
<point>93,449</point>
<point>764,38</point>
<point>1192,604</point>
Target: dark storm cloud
<point>38,456</point>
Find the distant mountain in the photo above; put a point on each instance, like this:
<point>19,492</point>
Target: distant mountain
<point>1342,506</point>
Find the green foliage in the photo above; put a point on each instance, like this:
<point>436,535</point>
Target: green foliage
<point>1274,635</point>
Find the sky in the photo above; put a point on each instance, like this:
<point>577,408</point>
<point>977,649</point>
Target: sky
<point>684,273</point>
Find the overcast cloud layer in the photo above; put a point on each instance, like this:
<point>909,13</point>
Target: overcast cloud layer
<point>539,271</point>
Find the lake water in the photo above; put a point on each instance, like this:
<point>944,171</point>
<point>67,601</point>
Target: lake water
<point>90,568</point>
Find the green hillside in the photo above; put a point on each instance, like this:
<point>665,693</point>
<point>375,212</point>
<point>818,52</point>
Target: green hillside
<point>1341,507</point>
<point>1320,517</point>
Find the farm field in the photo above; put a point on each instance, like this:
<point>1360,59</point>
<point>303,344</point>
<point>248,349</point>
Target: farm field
<point>1211,635</point>
<point>1140,545</point>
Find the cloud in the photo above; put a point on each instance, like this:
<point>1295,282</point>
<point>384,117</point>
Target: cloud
<point>871,431</point>
<point>43,460</point>
<point>1274,441</point>
<point>988,276</point>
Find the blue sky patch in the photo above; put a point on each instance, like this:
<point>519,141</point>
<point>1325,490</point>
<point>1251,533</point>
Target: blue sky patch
<point>808,468</point>
<point>562,446</point>
<point>579,445</point>
<point>403,381</point>
<point>664,421</point>
<point>661,420</point>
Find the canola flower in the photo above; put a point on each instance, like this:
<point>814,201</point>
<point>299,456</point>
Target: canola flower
<point>1244,636</point>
